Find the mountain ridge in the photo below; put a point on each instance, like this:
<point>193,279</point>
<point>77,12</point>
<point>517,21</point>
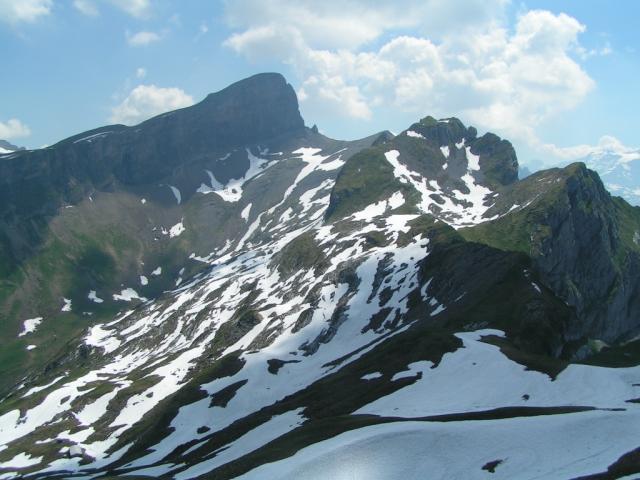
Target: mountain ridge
<point>210,325</point>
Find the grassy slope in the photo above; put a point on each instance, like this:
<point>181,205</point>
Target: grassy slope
<point>365,179</point>
<point>91,246</point>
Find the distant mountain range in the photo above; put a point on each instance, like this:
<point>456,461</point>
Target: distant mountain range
<point>222,292</point>
<point>620,171</point>
<point>6,147</point>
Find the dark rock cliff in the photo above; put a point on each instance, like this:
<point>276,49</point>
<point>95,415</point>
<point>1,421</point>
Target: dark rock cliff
<point>583,242</point>
<point>590,257</point>
<point>34,184</point>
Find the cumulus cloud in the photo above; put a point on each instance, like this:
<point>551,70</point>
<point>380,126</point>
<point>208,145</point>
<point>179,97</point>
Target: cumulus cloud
<point>142,39</point>
<point>86,7</point>
<point>146,101</point>
<point>432,56</point>
<point>141,72</point>
<point>349,24</point>
<point>13,128</point>
<point>16,11</point>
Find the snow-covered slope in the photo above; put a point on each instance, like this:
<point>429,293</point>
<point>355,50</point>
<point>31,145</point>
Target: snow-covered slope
<point>339,326</point>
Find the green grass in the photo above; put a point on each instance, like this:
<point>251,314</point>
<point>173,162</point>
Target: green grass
<point>617,356</point>
<point>366,178</point>
<point>156,424</point>
<point>302,253</point>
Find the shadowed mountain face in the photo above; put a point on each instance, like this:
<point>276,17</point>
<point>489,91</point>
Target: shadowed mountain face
<point>94,212</point>
<point>35,184</point>
<point>226,288</point>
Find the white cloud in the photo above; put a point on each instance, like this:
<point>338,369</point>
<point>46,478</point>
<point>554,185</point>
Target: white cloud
<point>141,72</point>
<point>86,7</point>
<point>350,24</point>
<point>13,128</point>
<point>333,92</point>
<point>146,101</point>
<point>135,8</point>
<point>16,11</point>
<point>594,52</point>
<point>142,39</point>
<point>607,145</point>
<point>510,80</point>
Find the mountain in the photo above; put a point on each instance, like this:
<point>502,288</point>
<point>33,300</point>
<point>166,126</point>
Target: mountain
<point>619,168</point>
<point>233,295</point>
<point>6,147</point>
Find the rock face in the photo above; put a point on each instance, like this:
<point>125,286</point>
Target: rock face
<point>91,218</point>
<point>221,287</point>
<point>582,241</point>
<point>441,151</point>
<point>34,184</point>
<point>590,258</point>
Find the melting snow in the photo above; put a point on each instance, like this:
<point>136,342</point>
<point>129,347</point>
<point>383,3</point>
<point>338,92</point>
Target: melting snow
<point>43,387</point>
<point>376,209</point>
<point>455,213</point>
<point>232,191</point>
<point>30,325</point>
<point>127,295</point>
<point>67,305</point>
<point>245,212</point>
<point>549,447</point>
<point>411,133</point>
<point>473,160</point>
<point>176,193</point>
<point>176,230</point>
<point>93,296</point>
<point>100,337</point>
<point>92,137</point>
<point>22,461</point>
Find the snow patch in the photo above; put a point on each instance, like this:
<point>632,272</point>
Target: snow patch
<point>176,193</point>
<point>93,296</point>
<point>232,191</point>
<point>30,325</point>
<point>67,305</point>
<point>177,230</point>
<point>472,160</point>
<point>127,295</point>
<point>245,212</point>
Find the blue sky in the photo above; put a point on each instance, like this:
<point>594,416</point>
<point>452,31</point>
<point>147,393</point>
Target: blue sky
<point>558,78</point>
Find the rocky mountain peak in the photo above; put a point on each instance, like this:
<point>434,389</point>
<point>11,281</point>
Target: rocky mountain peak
<point>445,170</point>
<point>226,288</point>
<point>260,107</point>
